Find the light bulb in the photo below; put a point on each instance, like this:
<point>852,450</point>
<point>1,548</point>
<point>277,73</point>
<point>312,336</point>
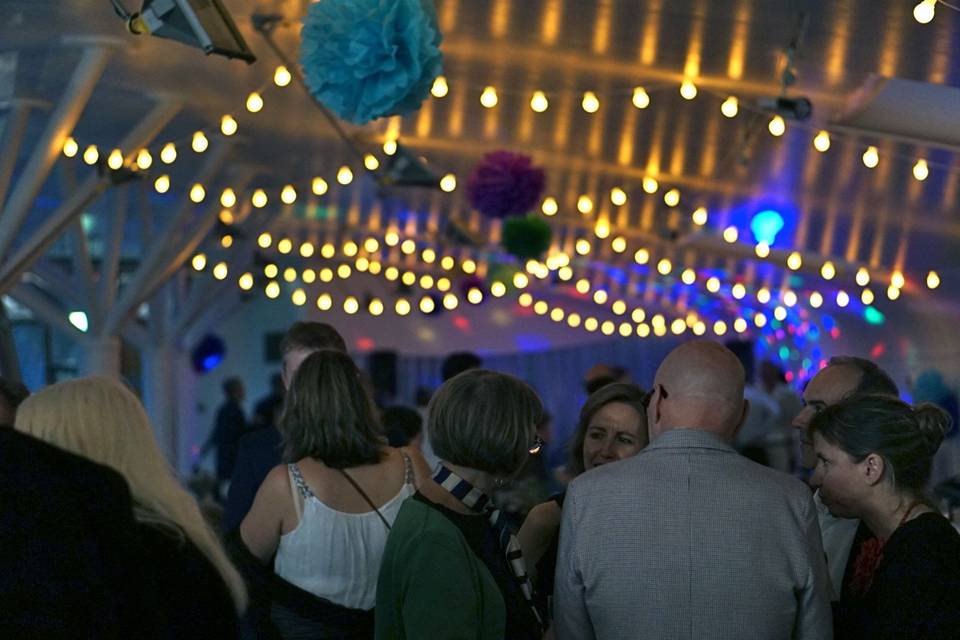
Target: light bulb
<point>169,153</point>
<point>607,328</point>
<point>221,271</point>
<point>689,276</point>
<point>350,248</point>
<point>780,314</point>
<point>198,193</point>
<point>719,327</point>
<point>618,244</point>
<point>144,159</point>
<point>271,270</point>
<point>375,307</point>
<point>162,184</point>
<point>583,286</point>
<point>389,146</point>
<point>584,204</point>
<point>259,198</point>
<point>789,298</point>
<point>344,175</point>
<point>448,182</point>
<point>794,261</point>
<point>306,250</point>
<point>573,320</point>
<point>370,162</point>
<point>713,284</point>
<point>115,159</point>
<point>650,185</point>
<point>549,207</point>
<point>285,245</point>
<point>498,289</point>
<point>228,125</point>
<point>921,170</point>
<point>281,76</point>
<point>619,307</point>
<point>539,102</point>
<point>246,281</point>
<point>730,107</point>
<point>763,295</point>
<point>777,126</point>
<point>688,90</point>
<point>924,11</point>
<point>226,241</point>
<point>408,246</point>
<point>469,267</point>
<point>371,245</point>
<point>428,255</point>
<point>739,325</point>
<point>672,198</point>
<point>897,280</point>
<point>440,88</point>
<point>91,155</point>
<point>590,102</point>
<point>319,186</point>
<point>843,298</point>
<point>324,302</point>
<point>816,300</point>
<point>583,247</point>
<point>541,308</point>
<point>474,296</point>
<point>489,97</point>
<point>641,99</point>
<point>664,267</point>
<point>520,280</point>
<point>642,256</point>
<point>426,281</point>
<point>730,234</point>
<point>760,320</point>
<point>699,216</point>
<point>199,262</point>
<point>625,329</point>
<point>70,147</point>
<point>821,142</point>
<point>871,157</point>
<point>638,315</point>
<point>272,290</point>
<point>254,102</point>
<point>933,280</point>
<point>351,305</point>
<point>199,143</point>
<point>427,305</point>
<point>618,196</point>
<point>450,301</point>
<point>866,297</point>
<point>738,291</point>
<point>893,292</point>
<point>299,297</point>
<point>863,277</point>
<point>602,229</point>
<point>678,326</point>
<point>228,198</point>
<point>762,250</point>
<point>828,270</point>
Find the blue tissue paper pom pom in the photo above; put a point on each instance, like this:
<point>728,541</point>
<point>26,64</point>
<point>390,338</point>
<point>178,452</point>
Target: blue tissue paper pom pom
<point>366,59</point>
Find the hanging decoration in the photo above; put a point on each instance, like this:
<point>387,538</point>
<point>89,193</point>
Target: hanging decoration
<point>366,59</point>
<point>505,184</point>
<point>526,237</point>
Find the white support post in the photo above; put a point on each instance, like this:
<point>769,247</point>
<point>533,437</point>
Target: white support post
<point>103,357</point>
<point>48,147</point>
<point>13,138</point>
<point>46,310</point>
<point>89,191</point>
<point>111,256</point>
<point>160,396</point>
<point>9,361</point>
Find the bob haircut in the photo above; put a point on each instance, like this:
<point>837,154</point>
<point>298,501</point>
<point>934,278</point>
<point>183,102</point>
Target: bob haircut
<point>484,420</point>
<point>905,437</point>
<point>625,393</point>
<point>328,414</point>
<point>102,420</point>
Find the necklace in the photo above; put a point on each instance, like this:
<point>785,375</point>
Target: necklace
<point>869,557</point>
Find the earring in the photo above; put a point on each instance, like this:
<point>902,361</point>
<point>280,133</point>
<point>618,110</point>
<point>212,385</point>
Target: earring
<point>499,483</point>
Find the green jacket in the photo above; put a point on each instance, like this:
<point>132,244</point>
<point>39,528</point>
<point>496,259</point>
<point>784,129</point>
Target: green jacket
<point>432,585</point>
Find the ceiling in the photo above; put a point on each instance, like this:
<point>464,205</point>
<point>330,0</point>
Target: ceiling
<point>834,206</point>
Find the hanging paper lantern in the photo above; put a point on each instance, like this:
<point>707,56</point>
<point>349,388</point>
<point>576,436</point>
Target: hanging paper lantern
<point>365,59</point>
<point>526,237</point>
<point>505,184</point>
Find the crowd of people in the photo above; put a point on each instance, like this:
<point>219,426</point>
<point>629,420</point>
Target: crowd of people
<point>345,521</point>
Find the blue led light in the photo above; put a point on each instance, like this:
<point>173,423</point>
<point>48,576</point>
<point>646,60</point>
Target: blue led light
<point>873,316</point>
<point>766,225</point>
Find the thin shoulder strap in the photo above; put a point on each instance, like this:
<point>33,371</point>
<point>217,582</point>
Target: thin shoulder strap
<point>296,488</point>
<point>365,497</point>
<point>408,476</point>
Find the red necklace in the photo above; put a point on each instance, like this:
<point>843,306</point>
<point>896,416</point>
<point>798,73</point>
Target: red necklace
<point>868,559</point>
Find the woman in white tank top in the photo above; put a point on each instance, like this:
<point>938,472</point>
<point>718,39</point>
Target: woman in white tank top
<point>325,515</point>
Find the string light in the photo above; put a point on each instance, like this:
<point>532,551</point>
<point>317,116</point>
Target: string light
<point>699,216</point>
<point>789,298</point>
<point>392,238</point>
<point>738,291</point>
<point>828,271</point>
<point>821,142</point>
<point>816,300</point>
<point>688,90</point>
<point>254,102</point>
<point>408,246</point>
<point>199,143</point>
<point>760,320</point>
<point>440,88</point>
<point>549,206</point>
<point>326,274</point>
<point>582,286</point>
<point>590,102</point>
<point>924,11</point>
<point>288,195</point>
<point>602,229</point>
<point>144,159</point>
<point>642,256</point>
<point>474,296</point>
<point>921,170</point>
<point>794,261</point>
<point>730,234</point>
<point>520,280</point>
<point>638,315</point>
<point>573,320</point>
<point>426,281</point>
<point>220,271</point>
<point>402,306</point>
<point>299,297</point>
<point>375,307</point>
<point>198,193</point>
<point>863,277</point>
<point>664,267</point>
<point>450,301</point>
<point>719,327</point>
<point>91,155</point>
<point>228,126</point>
<point>448,182</point>
<point>228,198</point>
<point>713,284</point>
<point>525,300</point>
<point>625,329</point>
<point>539,102</point>
<point>375,267</point>
<point>583,247</point>
<point>619,307</point>
<point>344,175</point>
<point>328,250</point>
<point>762,250</point>
<point>226,241</point>
<point>390,146</point>
<point>763,295</point>
<point>584,204</point>
<point>672,198</point>
<point>600,296</point>
<point>866,297</point>
<point>618,244</point>
<point>371,245</point>
<point>689,276</point>
<point>678,326</point>
<point>324,302</point>
<point>70,147</point>
<point>259,198</point>
<point>285,246</point>
<point>226,216</point>
<point>350,248</point>
<point>897,280</point>
<point>351,305</point>
<point>893,292</point>
<point>281,76</point>
<point>498,289</point>
<point>643,330</point>
<point>246,281</point>
<point>309,276</point>
<point>739,325</point>
<point>730,107</point>
<point>933,280</point>
<point>265,240</point>
<point>641,99</point>
<point>272,289</point>
<point>469,267</point>
<point>199,262</point>
<point>162,184</point>
<point>489,98</point>
<point>871,157</point>
<point>607,328</point>
<point>427,305</point>
<point>843,298</point>
<point>618,196</point>
<point>777,126</point>
<point>540,308</point>
<point>650,185</point>
<point>428,255</point>
<point>115,159</point>
<point>168,154</point>
<point>319,186</point>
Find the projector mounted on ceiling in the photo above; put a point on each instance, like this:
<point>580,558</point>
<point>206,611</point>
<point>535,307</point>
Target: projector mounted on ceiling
<point>204,24</point>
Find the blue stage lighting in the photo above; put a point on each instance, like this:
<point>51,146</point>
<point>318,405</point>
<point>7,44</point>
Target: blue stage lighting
<point>766,225</point>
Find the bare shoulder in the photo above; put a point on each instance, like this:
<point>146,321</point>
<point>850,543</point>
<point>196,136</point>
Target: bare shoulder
<point>543,517</point>
<point>277,481</point>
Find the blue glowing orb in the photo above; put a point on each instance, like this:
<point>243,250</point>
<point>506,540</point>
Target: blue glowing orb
<point>873,316</point>
<point>766,225</point>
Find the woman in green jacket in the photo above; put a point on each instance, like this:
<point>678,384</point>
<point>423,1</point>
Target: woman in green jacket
<point>451,567</point>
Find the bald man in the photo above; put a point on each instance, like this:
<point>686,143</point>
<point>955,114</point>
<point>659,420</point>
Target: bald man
<point>688,539</point>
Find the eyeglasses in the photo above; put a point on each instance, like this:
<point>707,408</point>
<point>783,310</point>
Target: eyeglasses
<point>536,445</point>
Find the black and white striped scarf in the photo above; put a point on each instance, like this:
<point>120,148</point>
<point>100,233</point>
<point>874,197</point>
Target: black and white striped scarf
<point>476,500</point>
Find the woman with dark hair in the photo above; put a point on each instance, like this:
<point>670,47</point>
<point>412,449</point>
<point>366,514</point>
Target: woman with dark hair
<point>327,513</point>
<point>451,568</point>
<point>874,455</point>
<point>612,426</point>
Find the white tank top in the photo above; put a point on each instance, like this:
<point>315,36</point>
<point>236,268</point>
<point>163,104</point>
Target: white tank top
<point>333,554</point>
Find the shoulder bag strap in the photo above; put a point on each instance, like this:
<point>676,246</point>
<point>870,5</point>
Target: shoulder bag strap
<point>365,497</point>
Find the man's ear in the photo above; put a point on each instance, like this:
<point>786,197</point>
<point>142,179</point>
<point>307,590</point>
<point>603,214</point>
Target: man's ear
<point>743,417</point>
<point>873,467</point>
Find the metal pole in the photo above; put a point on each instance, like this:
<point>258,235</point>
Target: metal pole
<point>13,137</point>
<point>9,361</point>
<point>48,147</point>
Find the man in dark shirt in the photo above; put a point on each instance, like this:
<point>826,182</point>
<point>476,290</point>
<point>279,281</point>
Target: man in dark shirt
<point>230,425</point>
<point>11,395</point>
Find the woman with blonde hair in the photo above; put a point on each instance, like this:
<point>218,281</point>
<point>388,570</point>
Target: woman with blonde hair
<point>197,590</point>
